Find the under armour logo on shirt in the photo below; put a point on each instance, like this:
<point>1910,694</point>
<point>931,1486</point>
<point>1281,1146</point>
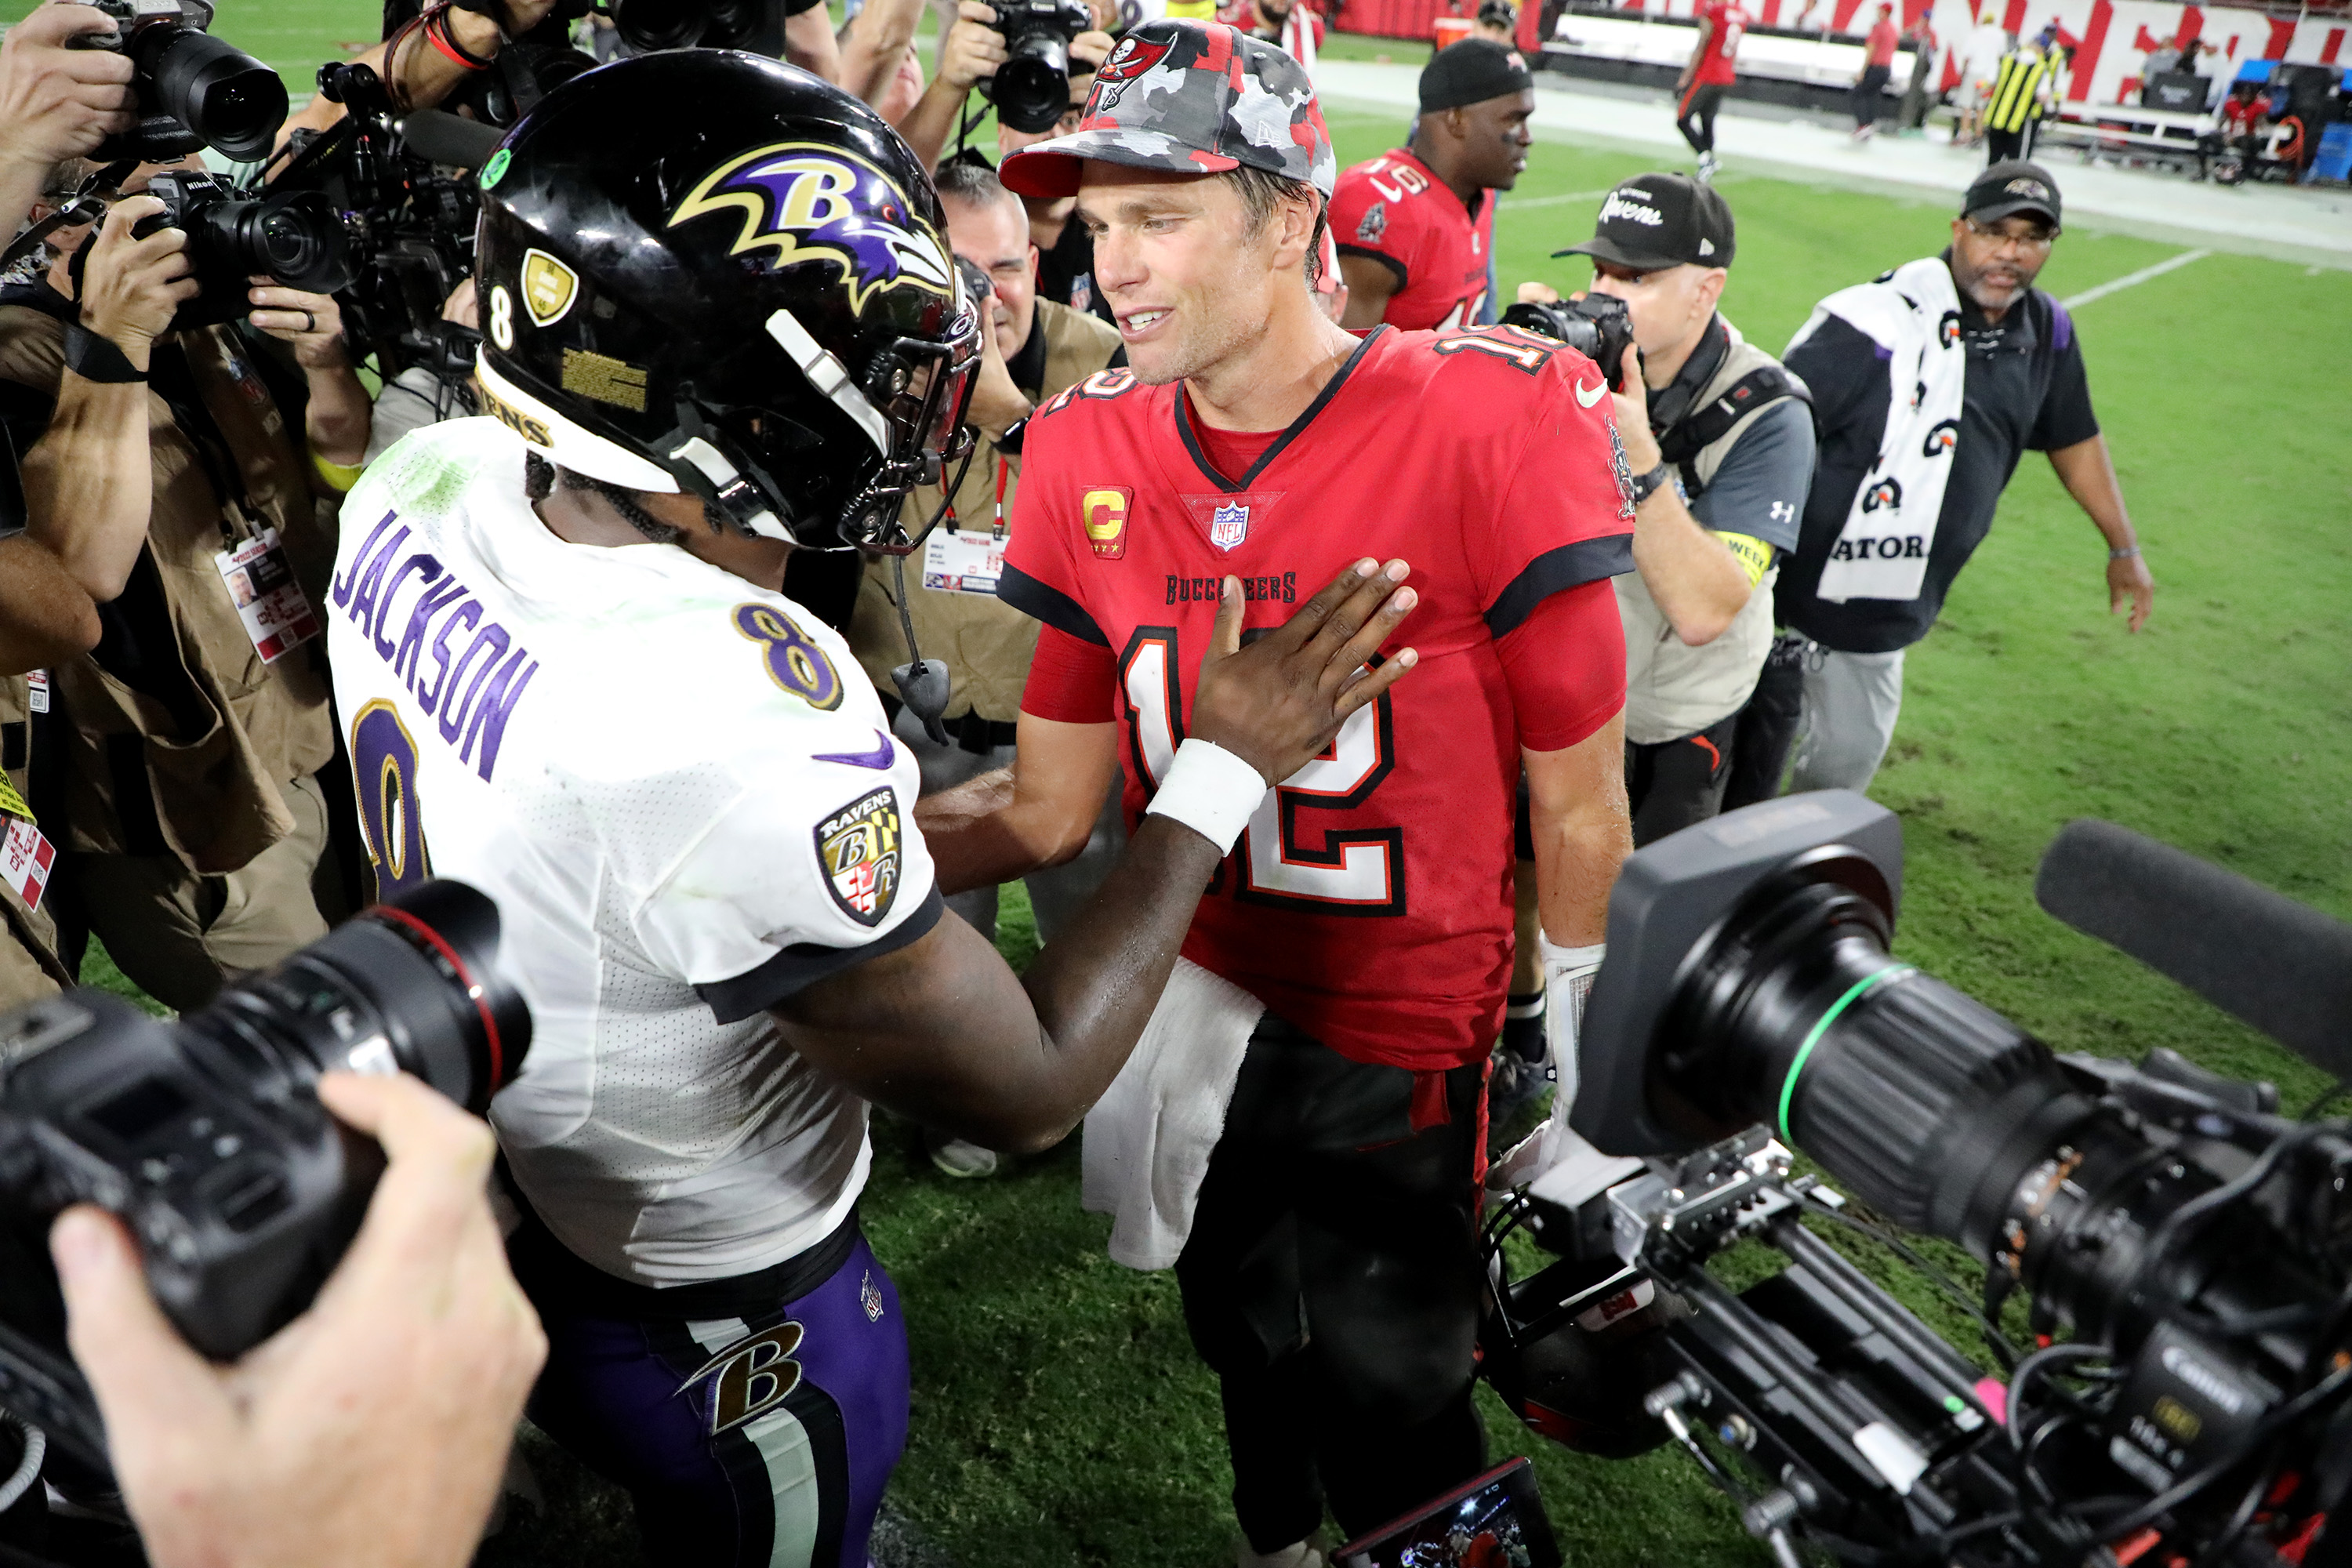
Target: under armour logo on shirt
<point>1783,511</point>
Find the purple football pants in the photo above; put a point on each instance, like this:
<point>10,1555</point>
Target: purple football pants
<point>747,1442</point>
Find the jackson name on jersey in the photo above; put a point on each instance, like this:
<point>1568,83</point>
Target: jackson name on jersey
<point>680,790</point>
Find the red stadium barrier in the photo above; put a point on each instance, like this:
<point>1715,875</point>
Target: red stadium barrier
<point>1413,19</point>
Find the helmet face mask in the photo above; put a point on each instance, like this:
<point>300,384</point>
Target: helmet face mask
<point>752,302</point>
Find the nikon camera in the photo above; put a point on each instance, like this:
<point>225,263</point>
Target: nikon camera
<point>1598,326</point>
<point>207,1137</point>
<point>191,90</point>
<point>1032,88</point>
<point>294,236</point>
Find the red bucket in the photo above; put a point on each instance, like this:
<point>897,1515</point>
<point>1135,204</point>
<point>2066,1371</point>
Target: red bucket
<point>1452,30</point>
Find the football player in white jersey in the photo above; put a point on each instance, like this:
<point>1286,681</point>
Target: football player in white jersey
<point>721,322</point>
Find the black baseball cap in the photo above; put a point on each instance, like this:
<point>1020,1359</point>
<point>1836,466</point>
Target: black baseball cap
<point>1472,71</point>
<point>2012,185</point>
<point>1652,222</point>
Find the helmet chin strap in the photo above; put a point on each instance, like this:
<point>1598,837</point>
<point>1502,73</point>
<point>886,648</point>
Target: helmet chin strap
<point>922,682</point>
<point>698,466</point>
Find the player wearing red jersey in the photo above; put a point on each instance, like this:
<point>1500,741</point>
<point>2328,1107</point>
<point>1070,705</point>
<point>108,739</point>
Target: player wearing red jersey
<point>1416,225</point>
<point>1330,1275</point>
<point>1711,70</point>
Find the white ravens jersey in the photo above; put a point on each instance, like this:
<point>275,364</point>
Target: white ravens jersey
<point>681,791</point>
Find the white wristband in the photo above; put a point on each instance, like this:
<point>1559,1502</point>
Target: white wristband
<point>1210,791</point>
<point>1568,973</point>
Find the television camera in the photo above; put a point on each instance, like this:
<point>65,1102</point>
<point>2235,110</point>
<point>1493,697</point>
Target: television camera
<point>2175,1248</point>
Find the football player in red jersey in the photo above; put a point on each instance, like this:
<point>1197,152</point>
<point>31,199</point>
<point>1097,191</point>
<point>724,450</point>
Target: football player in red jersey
<point>1711,70</point>
<point>1330,1272</point>
<point>1416,225</point>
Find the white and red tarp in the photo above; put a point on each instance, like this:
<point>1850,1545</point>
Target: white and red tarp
<point>2110,40</point>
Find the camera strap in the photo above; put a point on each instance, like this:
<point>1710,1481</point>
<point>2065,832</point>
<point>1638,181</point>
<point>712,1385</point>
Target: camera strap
<point>1683,442</point>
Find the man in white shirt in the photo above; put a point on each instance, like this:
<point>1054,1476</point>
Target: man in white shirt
<point>1980,61</point>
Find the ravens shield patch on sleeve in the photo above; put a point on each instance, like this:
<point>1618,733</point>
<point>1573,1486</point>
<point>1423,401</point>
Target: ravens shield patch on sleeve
<point>859,848</point>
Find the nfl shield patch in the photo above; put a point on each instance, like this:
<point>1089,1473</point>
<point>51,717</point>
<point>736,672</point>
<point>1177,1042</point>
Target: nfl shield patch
<point>1228,525</point>
<point>859,847</point>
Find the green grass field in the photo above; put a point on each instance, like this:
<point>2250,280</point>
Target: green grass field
<point>1059,1415</point>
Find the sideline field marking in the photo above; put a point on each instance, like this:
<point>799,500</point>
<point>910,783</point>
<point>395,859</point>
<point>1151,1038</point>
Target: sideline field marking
<point>2169,264</point>
<point>1515,204</point>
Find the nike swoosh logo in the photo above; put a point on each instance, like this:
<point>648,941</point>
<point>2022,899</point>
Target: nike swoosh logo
<point>881,758</point>
<point>1586,396</point>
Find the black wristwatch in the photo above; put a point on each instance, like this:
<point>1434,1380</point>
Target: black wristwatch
<point>1647,485</point>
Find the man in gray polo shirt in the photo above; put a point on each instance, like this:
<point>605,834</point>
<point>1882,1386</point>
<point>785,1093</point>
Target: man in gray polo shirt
<point>1719,440</point>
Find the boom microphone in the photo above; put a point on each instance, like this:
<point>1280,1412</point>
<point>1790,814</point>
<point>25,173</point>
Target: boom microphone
<point>441,137</point>
<point>2279,965</point>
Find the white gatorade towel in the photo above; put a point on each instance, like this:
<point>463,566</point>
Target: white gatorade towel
<point>1148,1138</point>
<point>1912,315</point>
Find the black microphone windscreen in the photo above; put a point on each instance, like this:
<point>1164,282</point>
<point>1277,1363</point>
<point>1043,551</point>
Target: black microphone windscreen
<point>441,137</point>
<point>2281,966</point>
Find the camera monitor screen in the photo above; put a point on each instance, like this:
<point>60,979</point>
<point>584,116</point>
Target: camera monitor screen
<point>1493,1521</point>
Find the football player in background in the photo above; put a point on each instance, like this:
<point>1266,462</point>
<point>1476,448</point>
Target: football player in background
<point>1330,1276</point>
<point>1416,225</point>
<point>1708,76</point>
<point>720,320</point>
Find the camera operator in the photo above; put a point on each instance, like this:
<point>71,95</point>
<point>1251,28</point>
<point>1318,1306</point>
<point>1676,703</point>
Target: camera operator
<point>1034,350</point>
<point>81,491</point>
<point>369,1433</point>
<point>55,102</point>
<point>1895,510</point>
<point>970,54</point>
<point>1719,494</point>
<point>188,739</point>
<point>1064,252</point>
<point>436,51</point>
<point>419,396</point>
<point>1416,225</point>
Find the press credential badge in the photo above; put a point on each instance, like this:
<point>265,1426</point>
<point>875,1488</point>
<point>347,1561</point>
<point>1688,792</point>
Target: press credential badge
<point>955,561</point>
<point>276,615</point>
<point>24,856</point>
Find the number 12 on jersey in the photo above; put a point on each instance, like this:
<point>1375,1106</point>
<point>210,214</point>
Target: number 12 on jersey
<point>1282,858</point>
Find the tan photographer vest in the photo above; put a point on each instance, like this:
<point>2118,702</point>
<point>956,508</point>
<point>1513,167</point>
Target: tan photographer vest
<point>29,966</point>
<point>194,777</point>
<point>1673,690</point>
<point>986,643</point>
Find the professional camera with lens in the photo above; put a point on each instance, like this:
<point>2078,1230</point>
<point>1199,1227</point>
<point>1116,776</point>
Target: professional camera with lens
<point>1032,88</point>
<point>649,24</point>
<point>1597,326</point>
<point>192,89</point>
<point>2182,1253</point>
<point>294,236</point>
<point>207,1137</point>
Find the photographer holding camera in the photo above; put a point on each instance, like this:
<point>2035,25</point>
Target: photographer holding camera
<point>1719,438</point>
<point>1035,58</point>
<point>57,101</point>
<point>369,1433</point>
<point>1065,251</point>
<point>191,732</point>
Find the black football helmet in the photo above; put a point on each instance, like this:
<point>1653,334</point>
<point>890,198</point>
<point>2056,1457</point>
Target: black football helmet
<point>708,272</point>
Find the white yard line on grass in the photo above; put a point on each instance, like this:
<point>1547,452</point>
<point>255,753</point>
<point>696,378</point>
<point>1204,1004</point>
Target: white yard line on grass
<point>2171,264</point>
<point>1513,204</point>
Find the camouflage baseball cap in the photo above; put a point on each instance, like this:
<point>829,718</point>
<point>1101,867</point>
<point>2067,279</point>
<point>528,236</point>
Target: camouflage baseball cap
<point>1196,98</point>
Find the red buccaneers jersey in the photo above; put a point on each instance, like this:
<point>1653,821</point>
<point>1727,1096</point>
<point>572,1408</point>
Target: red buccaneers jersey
<point>1727,22</point>
<point>1396,212</point>
<point>1369,902</point>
